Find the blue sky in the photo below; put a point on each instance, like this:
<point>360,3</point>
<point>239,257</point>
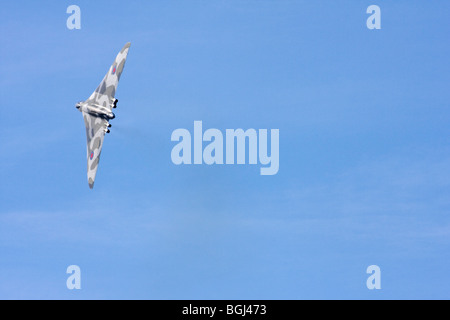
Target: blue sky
<point>364,151</point>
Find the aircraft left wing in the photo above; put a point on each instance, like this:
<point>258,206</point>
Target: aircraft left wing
<point>95,133</point>
<point>105,92</point>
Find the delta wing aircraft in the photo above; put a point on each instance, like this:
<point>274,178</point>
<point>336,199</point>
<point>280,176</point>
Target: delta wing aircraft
<point>97,112</point>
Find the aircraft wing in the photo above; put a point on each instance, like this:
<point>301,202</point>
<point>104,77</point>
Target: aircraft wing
<point>106,90</point>
<point>95,133</point>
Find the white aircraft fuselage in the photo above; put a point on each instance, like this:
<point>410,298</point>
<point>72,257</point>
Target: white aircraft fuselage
<point>95,110</point>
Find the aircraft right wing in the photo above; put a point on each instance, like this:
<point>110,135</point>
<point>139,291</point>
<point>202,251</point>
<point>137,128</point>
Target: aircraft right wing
<point>95,133</point>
